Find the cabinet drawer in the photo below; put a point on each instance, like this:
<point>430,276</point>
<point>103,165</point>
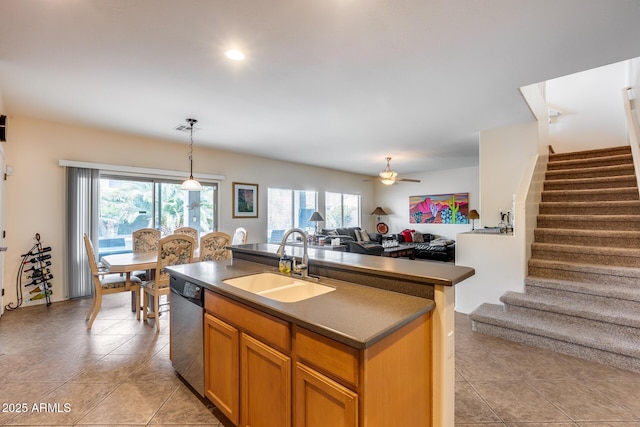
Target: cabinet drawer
<point>332,358</point>
<point>266,328</point>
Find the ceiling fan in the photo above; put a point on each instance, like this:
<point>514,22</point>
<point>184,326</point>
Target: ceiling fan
<point>389,177</point>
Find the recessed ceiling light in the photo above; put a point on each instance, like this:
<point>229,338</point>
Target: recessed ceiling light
<point>236,55</point>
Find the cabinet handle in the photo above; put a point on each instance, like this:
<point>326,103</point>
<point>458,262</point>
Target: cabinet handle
<point>3,248</point>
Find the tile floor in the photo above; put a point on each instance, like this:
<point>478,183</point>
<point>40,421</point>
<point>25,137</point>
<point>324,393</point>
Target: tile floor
<point>119,373</point>
<point>500,383</point>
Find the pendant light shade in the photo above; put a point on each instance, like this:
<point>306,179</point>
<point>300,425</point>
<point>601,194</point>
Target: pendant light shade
<point>191,184</point>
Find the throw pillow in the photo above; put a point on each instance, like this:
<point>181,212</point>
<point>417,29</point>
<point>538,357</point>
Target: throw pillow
<point>358,235</point>
<point>416,236</point>
<point>406,235</point>
<point>365,236</point>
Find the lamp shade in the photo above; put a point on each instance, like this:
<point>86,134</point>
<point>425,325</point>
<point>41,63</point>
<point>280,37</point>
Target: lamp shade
<point>315,217</point>
<point>473,214</point>
<point>378,211</point>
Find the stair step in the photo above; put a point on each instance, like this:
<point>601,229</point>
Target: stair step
<point>580,272</point>
<point>622,257</point>
<point>591,195</point>
<point>595,172</point>
<point>568,337</point>
<point>587,154</point>
<point>600,238</point>
<point>570,288</point>
<point>594,222</point>
<point>610,311</point>
<point>619,159</point>
<point>619,207</point>
<point>591,183</point>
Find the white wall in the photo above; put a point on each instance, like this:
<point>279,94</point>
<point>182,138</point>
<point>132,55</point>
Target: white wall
<point>592,109</point>
<point>394,199</point>
<point>504,153</point>
<point>35,193</point>
<point>508,163</point>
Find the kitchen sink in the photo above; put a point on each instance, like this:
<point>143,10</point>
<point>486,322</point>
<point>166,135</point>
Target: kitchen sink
<point>279,287</point>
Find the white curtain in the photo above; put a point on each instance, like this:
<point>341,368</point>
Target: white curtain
<point>82,205</point>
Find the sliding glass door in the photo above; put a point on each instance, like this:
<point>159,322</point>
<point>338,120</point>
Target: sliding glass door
<point>127,204</point>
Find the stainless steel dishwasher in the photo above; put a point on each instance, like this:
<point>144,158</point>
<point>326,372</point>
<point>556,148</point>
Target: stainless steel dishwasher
<point>187,332</point>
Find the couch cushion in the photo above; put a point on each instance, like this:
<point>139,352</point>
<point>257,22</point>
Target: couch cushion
<point>416,236</point>
<point>406,235</point>
<point>365,236</point>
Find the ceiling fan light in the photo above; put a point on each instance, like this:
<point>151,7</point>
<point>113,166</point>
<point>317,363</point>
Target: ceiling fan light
<point>387,174</point>
<point>388,181</point>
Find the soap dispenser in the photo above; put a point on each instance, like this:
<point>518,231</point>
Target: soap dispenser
<point>285,264</point>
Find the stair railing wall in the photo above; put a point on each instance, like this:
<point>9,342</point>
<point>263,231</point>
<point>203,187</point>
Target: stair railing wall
<point>633,127</point>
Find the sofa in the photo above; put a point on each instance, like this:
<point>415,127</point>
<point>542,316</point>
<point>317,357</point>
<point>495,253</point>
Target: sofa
<point>355,239</point>
<point>428,246</point>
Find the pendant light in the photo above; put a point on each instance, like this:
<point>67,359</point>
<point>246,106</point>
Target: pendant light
<point>191,184</point>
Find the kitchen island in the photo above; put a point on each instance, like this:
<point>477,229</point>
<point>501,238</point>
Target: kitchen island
<point>358,320</point>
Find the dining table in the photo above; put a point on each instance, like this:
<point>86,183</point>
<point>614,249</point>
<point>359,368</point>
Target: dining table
<point>127,263</point>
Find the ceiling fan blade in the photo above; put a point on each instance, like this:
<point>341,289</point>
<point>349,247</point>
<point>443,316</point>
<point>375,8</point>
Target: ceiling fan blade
<point>395,179</point>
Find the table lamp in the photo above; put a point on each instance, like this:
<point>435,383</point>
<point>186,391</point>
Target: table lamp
<point>316,217</point>
<point>473,215</point>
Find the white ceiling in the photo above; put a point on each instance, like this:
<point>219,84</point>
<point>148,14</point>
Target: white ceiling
<point>333,83</point>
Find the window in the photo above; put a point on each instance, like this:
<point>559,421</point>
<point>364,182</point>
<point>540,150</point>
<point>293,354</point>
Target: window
<point>289,208</point>
<point>127,204</point>
<point>342,210</point>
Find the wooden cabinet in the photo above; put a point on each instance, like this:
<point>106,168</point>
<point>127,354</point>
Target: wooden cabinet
<point>221,369</point>
<point>265,384</point>
<point>386,384</point>
<point>260,371</point>
<point>247,375</point>
<point>321,402</point>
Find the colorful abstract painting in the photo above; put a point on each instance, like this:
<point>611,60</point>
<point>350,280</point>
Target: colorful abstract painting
<point>439,209</point>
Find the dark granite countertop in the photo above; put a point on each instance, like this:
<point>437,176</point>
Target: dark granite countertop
<point>353,314</point>
<point>427,272</point>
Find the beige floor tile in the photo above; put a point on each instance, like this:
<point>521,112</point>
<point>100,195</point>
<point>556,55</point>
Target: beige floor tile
<point>112,368</point>
<point>65,405</point>
<point>624,393</point>
<point>580,403</point>
<point>130,403</point>
<point>16,394</point>
<point>183,408</point>
<point>469,406</point>
<point>474,366</point>
<point>515,401</point>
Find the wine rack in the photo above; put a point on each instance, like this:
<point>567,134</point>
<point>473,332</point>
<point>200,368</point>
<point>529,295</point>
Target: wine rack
<point>34,276</point>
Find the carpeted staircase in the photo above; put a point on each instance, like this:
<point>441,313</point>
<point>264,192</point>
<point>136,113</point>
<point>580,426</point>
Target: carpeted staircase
<point>582,293</point>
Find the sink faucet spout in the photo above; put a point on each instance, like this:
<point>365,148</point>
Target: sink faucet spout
<point>304,266</point>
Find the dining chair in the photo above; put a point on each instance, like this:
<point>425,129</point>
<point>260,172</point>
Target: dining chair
<point>174,249</point>
<point>213,246</point>
<point>105,283</point>
<point>144,240</point>
<point>189,231</point>
<point>239,236</point>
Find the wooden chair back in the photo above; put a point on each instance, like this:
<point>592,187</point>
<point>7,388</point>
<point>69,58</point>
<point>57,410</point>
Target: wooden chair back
<point>189,231</point>
<point>213,246</point>
<point>174,249</point>
<point>145,240</point>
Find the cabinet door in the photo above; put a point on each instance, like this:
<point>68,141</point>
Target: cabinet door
<point>265,384</point>
<point>321,402</point>
<point>221,370</point>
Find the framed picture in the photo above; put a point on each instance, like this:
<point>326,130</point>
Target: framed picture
<point>450,208</point>
<point>245,200</point>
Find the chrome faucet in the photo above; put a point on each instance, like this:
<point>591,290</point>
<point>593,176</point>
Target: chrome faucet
<point>302,269</point>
